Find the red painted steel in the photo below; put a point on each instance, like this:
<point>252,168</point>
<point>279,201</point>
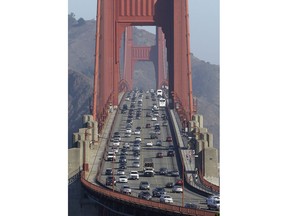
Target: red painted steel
<point>132,54</point>
<point>116,15</point>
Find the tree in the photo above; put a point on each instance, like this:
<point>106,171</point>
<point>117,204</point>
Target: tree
<point>81,21</point>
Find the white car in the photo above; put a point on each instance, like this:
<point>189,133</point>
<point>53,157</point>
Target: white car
<point>138,132</point>
<point>116,143</point>
<point>177,189</point>
<point>166,199</point>
<point>134,175</point>
<point>126,145</point>
<point>125,189</point>
<point>123,179</point>
<point>138,138</point>
<point>129,130</point>
<point>154,118</point>
<point>150,144</point>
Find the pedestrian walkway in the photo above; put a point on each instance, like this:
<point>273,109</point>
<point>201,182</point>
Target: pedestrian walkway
<point>98,149</point>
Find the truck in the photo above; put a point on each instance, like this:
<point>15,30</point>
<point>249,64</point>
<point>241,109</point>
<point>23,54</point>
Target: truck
<point>148,164</point>
<point>213,202</point>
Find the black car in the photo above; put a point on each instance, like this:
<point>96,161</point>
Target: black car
<point>169,185</point>
<point>163,171</point>
<point>158,191</point>
<point>170,153</point>
<point>110,180</point>
<point>122,166</point>
<point>145,195</point>
<point>108,171</point>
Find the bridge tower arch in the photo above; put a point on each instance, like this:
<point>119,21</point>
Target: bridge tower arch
<point>113,16</point>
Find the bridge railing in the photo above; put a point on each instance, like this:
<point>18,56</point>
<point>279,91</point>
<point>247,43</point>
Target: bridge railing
<point>137,201</point>
<point>208,184</point>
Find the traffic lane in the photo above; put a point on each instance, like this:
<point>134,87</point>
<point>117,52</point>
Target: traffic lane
<point>154,181</point>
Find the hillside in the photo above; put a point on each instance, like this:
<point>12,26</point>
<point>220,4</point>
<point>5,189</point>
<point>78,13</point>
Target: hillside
<point>81,41</point>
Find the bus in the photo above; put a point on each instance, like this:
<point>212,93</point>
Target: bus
<point>159,92</point>
<point>162,102</point>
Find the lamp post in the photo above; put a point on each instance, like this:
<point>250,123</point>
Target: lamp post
<point>85,167</point>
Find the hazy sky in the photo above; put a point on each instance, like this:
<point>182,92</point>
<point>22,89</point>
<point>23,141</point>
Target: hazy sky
<point>204,25</point>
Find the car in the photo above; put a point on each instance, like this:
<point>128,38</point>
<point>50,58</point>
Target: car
<point>138,138</point>
<point>179,182</point>
<point>145,195</point>
<point>116,143</point>
<point>169,185</point>
<point>136,164</point>
<point>169,139</point>
<point>174,173</point>
<point>170,153</point>
<point>158,191</point>
<point>122,166</point>
<point>148,114</point>
<point>126,145</point>
<point>159,155</point>
<point>163,171</point>
<point>157,131</point>
<point>150,144</point>
<point>134,175</point>
<point>136,147</point>
<point>177,189</point>
<point>165,123</point>
<point>125,189</point>
<point>166,199</point>
<point>153,135</point>
<point>191,205</point>
<point>148,125</point>
<point>111,156</point>
<point>144,185</point>
<point>159,143</point>
<point>128,130</point>
<point>171,147</point>
<point>120,172</point>
<point>138,128</point>
<point>136,157</point>
<point>109,171</point>
<point>154,118</point>
<point>127,135</point>
<point>138,132</point>
<point>213,202</point>
<point>110,180</point>
<point>124,151</point>
<point>122,160</point>
<point>122,179</point>
<point>148,173</point>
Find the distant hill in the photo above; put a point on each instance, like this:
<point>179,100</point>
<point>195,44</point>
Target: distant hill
<point>81,40</point>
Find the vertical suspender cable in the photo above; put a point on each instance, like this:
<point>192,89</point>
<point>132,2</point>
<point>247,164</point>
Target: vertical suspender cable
<point>189,64</point>
<point>96,69</point>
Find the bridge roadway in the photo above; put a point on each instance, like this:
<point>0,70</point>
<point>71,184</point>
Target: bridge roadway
<point>148,152</point>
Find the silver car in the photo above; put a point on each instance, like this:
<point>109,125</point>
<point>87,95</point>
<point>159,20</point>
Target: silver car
<point>136,164</point>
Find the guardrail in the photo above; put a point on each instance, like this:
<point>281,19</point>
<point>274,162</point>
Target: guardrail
<point>208,184</point>
<point>145,203</point>
<point>74,176</point>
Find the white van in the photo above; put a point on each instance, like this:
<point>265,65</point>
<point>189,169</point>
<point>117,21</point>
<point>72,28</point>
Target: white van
<point>213,202</point>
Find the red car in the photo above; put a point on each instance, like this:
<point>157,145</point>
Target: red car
<point>148,125</point>
<point>159,155</point>
<point>169,139</point>
<point>179,182</point>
